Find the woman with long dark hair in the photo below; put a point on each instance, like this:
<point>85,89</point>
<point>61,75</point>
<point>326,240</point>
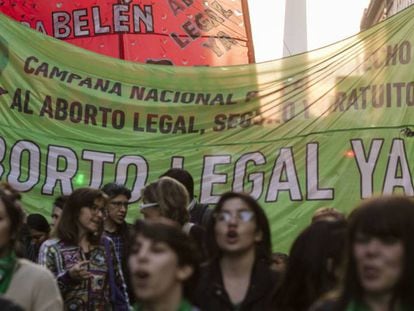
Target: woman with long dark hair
<point>85,263</point>
<point>238,275</point>
<point>379,274</point>
<point>313,269</point>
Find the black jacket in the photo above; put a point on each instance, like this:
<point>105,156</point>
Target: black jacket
<point>200,214</point>
<point>211,295</point>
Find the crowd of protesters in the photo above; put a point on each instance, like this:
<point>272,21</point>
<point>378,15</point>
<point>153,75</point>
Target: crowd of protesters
<point>182,255</point>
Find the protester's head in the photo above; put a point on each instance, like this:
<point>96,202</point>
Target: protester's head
<point>39,228</point>
<point>239,225</point>
<point>10,191</point>
<point>327,214</point>
<point>13,195</point>
<point>381,250</point>
<point>83,213</point>
<point>167,198</point>
<point>11,222</point>
<point>183,177</point>
<point>314,262</point>
<point>57,209</point>
<point>119,196</point>
<point>162,260</point>
<point>280,262</point>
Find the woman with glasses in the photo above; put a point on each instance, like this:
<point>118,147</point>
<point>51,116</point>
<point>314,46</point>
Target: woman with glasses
<point>238,275</point>
<point>84,262</point>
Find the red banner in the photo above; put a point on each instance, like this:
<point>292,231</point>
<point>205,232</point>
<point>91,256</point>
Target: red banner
<point>176,32</point>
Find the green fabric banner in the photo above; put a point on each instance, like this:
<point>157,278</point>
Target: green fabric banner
<point>324,128</point>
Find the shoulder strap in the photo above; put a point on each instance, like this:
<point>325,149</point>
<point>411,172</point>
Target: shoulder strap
<point>110,267</point>
<point>199,212</point>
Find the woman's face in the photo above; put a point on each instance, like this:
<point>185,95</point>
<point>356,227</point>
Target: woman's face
<point>91,217</point>
<point>4,229</point>
<point>235,228</point>
<point>379,263</point>
<point>154,270</point>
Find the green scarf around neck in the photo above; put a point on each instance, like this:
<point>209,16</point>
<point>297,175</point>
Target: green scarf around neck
<point>185,305</point>
<point>7,265</point>
<point>354,306</point>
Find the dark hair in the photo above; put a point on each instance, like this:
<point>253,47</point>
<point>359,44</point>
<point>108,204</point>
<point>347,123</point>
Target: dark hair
<point>327,214</point>
<point>183,177</point>
<point>308,275</point>
<point>382,217</point>
<point>171,196</point>
<point>263,247</point>
<point>113,189</point>
<point>15,215</point>
<point>10,191</point>
<point>60,201</point>
<point>9,305</point>
<point>38,222</point>
<point>282,256</point>
<point>182,245</point>
<point>67,227</point>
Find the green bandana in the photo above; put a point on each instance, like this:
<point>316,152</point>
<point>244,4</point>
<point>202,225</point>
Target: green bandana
<point>7,265</point>
<point>354,306</point>
<point>184,306</point>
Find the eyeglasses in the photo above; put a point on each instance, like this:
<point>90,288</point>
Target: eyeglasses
<point>118,204</point>
<point>146,205</point>
<point>243,216</point>
<point>96,209</point>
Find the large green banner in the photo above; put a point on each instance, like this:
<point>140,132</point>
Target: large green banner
<point>325,128</point>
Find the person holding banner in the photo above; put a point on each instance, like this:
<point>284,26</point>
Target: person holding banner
<point>84,262</point>
<point>238,275</point>
<point>379,271</point>
<point>30,286</point>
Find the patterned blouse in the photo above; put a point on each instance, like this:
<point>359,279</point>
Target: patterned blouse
<point>90,294</point>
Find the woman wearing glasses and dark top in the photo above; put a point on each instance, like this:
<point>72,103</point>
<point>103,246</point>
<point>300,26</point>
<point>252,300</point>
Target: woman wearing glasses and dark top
<point>238,275</point>
<point>83,261</point>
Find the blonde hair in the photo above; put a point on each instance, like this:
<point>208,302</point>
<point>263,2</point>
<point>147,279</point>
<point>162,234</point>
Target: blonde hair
<point>172,198</point>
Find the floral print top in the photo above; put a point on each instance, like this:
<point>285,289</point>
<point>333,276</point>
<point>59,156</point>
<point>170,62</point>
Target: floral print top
<point>90,294</point>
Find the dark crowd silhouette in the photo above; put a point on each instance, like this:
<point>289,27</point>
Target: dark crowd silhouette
<point>182,255</point>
